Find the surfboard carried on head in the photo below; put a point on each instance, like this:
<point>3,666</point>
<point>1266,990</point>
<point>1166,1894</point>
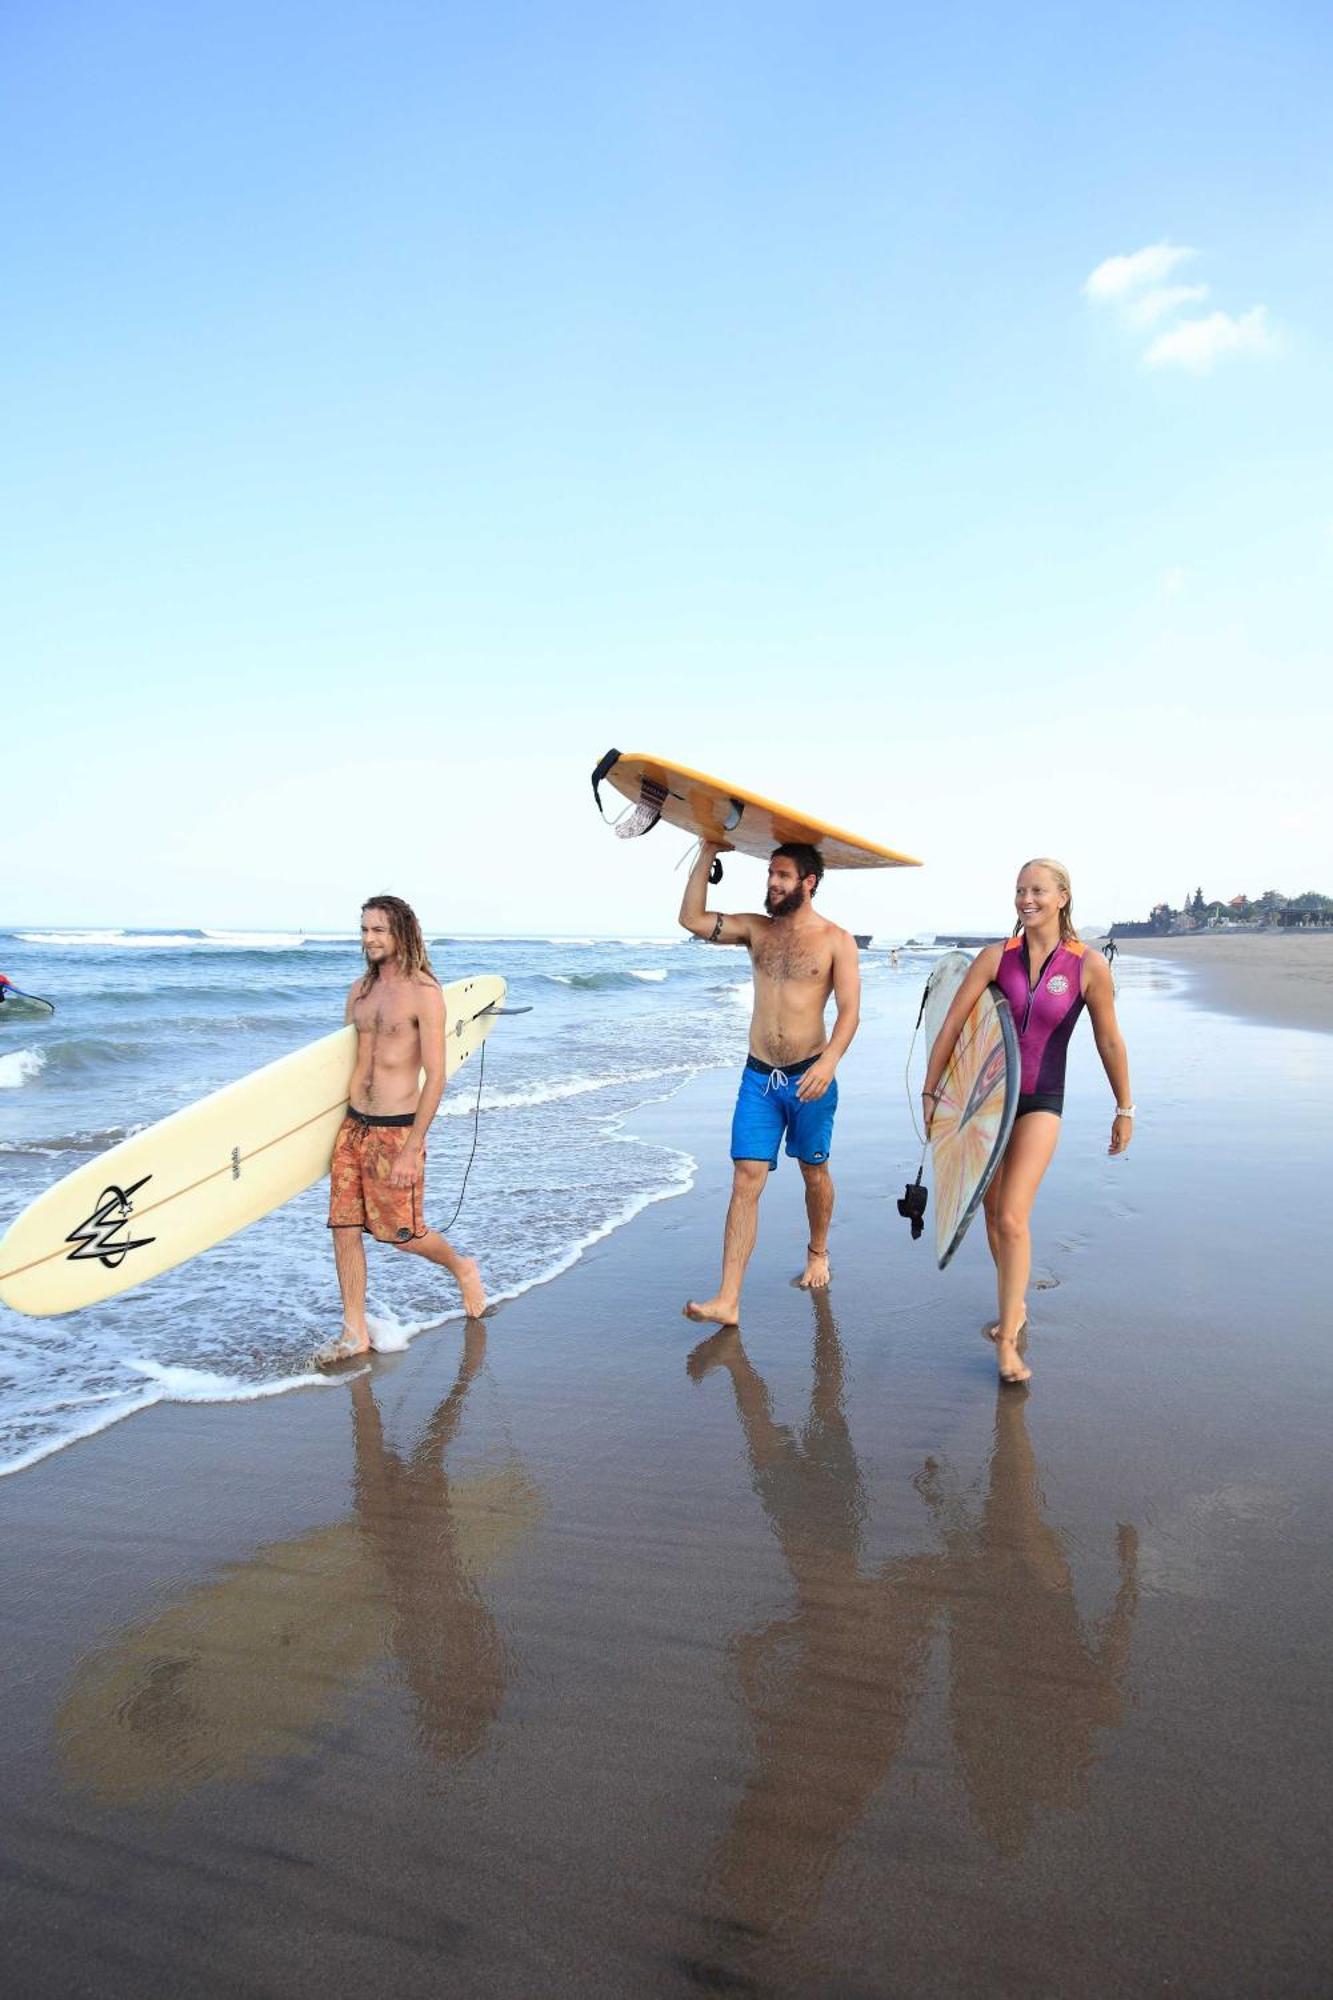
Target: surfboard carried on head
<point>197,1177</point>
<point>978,1099</point>
<point>714,810</point>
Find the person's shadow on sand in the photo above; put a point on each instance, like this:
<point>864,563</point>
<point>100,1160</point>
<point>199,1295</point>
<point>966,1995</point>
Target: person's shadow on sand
<point>249,1667</point>
<point>831,1686</point>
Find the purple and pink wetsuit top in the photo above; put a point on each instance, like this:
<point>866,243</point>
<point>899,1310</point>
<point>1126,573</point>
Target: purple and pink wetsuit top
<point>1044,1011</point>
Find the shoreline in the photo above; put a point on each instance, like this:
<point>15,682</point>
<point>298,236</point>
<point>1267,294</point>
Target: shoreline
<point>1283,978</point>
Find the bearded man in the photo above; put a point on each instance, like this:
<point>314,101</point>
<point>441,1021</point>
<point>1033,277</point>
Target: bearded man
<point>788,1085</point>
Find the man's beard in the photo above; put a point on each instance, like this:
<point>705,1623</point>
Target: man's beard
<point>788,905</point>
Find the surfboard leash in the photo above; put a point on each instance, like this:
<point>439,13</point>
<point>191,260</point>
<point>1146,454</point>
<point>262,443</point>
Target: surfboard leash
<point>476,1113</point>
<point>912,1201</point>
<point>476,1131</point>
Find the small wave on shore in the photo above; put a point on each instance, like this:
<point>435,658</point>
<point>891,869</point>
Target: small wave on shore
<point>20,1066</point>
<point>80,1054</point>
<point>605,981</point>
<point>39,1148</point>
<point>463,1106</point>
<point>179,940</point>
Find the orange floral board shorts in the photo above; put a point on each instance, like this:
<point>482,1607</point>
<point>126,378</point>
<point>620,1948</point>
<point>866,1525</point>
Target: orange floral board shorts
<point>360,1195</point>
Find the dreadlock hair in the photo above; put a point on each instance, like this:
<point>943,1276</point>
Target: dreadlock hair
<point>406,934</point>
<point>808,860</point>
<point>1061,875</point>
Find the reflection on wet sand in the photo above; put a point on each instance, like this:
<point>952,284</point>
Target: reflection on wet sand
<point>832,1686</point>
<point>448,1646</point>
<point>245,1669</point>
<point>1028,1687</point>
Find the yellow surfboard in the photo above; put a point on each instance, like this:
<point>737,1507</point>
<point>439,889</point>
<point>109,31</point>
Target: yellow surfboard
<point>191,1180</point>
<point>714,810</point>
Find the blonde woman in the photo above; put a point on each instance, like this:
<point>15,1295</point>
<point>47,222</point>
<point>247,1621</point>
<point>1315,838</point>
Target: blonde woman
<point>1048,977</point>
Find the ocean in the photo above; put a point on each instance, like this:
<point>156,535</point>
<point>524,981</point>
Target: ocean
<point>149,1021</point>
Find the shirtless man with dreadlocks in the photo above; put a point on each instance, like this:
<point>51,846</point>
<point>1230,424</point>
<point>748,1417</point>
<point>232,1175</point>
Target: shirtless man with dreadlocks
<point>378,1175</point>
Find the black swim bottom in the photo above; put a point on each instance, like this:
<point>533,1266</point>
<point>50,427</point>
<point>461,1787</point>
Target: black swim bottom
<point>1039,1100</point>
<point>374,1118</point>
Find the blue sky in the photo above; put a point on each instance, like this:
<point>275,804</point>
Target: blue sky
<point>405,403</point>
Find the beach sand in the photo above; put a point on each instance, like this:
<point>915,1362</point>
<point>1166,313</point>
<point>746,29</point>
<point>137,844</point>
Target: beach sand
<point>1285,977</point>
<point>581,1655</point>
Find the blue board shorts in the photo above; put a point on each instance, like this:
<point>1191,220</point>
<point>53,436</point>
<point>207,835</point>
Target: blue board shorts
<point>767,1106</point>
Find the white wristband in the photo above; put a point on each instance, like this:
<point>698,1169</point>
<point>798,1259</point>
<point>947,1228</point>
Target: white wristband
<point>1124,1111</point>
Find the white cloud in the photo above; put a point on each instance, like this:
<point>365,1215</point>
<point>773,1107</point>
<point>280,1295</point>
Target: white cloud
<point>1197,343</point>
<point>1163,299</point>
<point>1132,288</point>
<point>1118,277</point>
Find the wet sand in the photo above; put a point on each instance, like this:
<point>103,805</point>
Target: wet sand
<point>1284,977</point>
<point>580,1655</point>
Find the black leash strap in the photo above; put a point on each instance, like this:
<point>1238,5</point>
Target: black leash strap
<point>611,757</point>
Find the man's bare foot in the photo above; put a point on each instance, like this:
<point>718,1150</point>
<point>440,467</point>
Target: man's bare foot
<point>991,1330</point>
<point>469,1283</point>
<point>816,1273</point>
<point>715,1312</point>
<point>715,1352</point>
<point>1013,1369</point>
<point>348,1346</point>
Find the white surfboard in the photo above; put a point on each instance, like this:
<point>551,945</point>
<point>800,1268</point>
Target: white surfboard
<point>191,1180</point>
<point>17,1006</point>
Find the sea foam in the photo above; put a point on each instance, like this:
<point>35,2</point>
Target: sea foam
<point>463,1105</point>
<point>20,1066</point>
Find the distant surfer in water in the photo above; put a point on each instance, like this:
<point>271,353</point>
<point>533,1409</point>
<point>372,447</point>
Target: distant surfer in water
<point>1048,977</point>
<point>378,1177</point>
<point>788,1084</point>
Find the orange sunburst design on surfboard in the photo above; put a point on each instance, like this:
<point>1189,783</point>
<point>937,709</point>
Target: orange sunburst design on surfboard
<point>971,1118</point>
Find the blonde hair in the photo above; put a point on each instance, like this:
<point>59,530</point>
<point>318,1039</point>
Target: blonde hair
<point>406,934</point>
<point>1061,874</point>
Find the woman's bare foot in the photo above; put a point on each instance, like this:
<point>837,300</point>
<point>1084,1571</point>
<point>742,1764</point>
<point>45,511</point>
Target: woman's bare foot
<point>816,1273</point>
<point>1013,1369</point>
<point>992,1328</point>
<point>469,1283</point>
<point>715,1312</point>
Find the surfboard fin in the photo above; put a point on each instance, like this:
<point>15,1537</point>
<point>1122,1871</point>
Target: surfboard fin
<point>645,815</point>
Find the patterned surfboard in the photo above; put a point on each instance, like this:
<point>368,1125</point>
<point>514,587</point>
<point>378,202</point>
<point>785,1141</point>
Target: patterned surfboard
<point>979,1097</point>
